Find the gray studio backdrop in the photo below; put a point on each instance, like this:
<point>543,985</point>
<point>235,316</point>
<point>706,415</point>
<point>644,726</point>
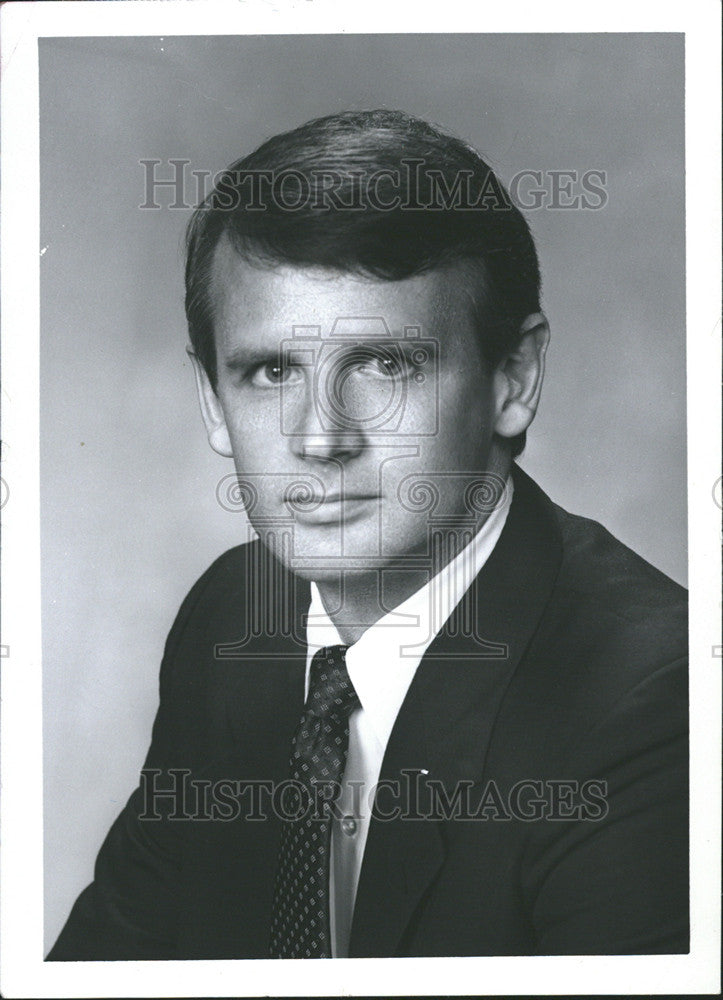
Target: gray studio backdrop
<point>129,511</point>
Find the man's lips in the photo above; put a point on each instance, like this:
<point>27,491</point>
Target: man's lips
<point>330,507</point>
<point>344,497</point>
<point>303,497</point>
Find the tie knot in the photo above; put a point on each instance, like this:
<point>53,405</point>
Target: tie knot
<point>331,691</point>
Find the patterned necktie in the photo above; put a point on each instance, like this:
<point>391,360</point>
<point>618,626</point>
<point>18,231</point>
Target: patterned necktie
<point>300,916</point>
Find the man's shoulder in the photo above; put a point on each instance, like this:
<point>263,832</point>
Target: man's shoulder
<point>607,665</point>
<point>623,599</point>
<point>246,592</point>
<point>230,569</point>
<point>598,563</point>
<point>218,592</point>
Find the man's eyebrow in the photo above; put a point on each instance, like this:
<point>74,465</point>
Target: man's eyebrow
<point>393,343</point>
<point>243,358</point>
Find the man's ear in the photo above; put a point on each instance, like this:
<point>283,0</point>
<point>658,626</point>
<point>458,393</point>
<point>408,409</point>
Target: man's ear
<point>211,410</point>
<point>518,378</point>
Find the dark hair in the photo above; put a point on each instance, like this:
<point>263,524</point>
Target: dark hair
<point>376,193</point>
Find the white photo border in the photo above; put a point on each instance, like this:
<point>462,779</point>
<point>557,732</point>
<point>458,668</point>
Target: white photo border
<point>24,973</point>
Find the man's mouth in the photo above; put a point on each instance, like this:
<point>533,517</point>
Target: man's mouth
<point>331,507</point>
<point>305,494</point>
<point>345,497</point>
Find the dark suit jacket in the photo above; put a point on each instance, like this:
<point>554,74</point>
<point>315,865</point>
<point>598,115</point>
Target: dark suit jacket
<point>577,672</point>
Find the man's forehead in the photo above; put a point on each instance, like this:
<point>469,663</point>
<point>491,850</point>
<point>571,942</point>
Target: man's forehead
<point>267,300</point>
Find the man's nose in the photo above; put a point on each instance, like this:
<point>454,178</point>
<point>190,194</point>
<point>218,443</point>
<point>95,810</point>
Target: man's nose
<point>324,436</point>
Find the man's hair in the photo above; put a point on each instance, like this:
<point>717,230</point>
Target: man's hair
<point>379,194</point>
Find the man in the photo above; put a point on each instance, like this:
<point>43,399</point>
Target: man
<point>427,712</point>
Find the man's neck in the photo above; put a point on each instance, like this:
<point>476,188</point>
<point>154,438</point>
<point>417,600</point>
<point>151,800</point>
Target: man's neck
<point>355,601</point>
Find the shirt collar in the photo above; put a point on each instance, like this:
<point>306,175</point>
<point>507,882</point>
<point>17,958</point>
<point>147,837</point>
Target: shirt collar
<point>382,663</point>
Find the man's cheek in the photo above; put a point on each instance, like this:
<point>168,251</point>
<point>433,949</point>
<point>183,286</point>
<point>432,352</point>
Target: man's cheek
<point>254,451</point>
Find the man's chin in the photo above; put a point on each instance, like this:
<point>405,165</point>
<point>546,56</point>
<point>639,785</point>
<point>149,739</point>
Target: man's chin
<point>318,571</point>
<point>317,553</point>
<point>319,563</point>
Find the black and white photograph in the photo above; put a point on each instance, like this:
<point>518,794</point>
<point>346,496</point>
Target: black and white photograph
<point>361,502</point>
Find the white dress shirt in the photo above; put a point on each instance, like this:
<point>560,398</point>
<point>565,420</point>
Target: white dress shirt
<point>381,666</point>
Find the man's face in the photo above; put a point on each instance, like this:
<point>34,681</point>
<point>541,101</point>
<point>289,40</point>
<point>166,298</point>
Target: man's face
<point>359,412</point>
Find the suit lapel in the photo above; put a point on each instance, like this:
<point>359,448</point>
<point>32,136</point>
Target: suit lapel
<point>446,721</point>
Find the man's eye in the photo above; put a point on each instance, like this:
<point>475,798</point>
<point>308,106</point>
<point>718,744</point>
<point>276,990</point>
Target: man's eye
<point>274,373</point>
<point>383,366</point>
